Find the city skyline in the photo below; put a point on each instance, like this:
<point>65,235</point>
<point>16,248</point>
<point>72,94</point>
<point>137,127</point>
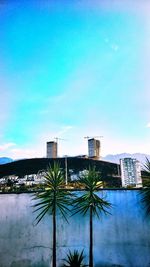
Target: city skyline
<point>71,70</point>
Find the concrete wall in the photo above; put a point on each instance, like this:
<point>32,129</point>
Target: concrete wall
<point>120,239</point>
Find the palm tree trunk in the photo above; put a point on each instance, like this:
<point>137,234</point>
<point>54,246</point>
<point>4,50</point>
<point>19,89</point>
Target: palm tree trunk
<point>54,239</point>
<point>91,238</point>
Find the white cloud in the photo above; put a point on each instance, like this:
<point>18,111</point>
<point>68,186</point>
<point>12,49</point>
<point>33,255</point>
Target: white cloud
<point>148,125</point>
<point>6,146</point>
<point>19,153</point>
<point>64,130</point>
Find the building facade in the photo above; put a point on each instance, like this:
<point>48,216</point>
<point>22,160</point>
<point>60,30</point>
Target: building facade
<point>130,172</point>
<point>94,148</point>
<point>51,149</point>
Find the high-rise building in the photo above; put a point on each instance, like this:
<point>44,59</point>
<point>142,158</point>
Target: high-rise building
<point>130,172</point>
<point>93,148</point>
<point>51,149</point>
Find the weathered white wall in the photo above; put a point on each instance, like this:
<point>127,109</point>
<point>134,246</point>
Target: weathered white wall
<point>120,239</point>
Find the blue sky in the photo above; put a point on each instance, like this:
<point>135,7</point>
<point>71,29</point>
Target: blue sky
<point>74,69</point>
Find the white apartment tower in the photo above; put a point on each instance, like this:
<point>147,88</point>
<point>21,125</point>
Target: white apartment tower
<point>93,148</point>
<point>51,149</point>
<point>130,172</point>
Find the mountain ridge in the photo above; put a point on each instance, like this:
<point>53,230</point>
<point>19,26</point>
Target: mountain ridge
<point>4,160</point>
<point>116,157</point>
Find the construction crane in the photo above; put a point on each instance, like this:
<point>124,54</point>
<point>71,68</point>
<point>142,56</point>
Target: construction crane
<point>66,167</point>
<point>52,148</point>
<point>57,138</point>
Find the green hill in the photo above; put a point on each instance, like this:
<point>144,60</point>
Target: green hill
<point>109,171</point>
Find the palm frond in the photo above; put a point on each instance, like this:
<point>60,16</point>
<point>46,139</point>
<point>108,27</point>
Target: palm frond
<point>74,259</point>
<point>54,197</point>
<point>146,199</point>
<point>145,192</point>
<point>82,204</point>
<point>40,216</point>
<point>147,166</point>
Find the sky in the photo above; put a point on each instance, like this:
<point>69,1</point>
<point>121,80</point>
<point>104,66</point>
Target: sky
<point>71,69</point>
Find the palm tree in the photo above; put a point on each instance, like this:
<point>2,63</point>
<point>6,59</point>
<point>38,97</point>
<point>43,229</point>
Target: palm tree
<point>52,199</point>
<point>146,191</point>
<point>74,259</point>
<point>91,202</point>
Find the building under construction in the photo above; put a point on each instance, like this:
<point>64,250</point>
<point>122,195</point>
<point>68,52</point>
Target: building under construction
<point>51,149</point>
<point>93,148</point>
